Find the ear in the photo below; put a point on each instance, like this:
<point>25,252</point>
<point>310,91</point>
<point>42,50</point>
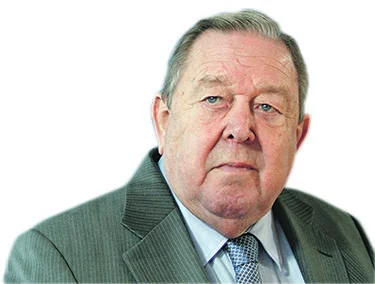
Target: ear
<point>302,130</point>
<point>160,116</point>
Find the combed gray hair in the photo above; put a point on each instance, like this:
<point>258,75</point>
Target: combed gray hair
<point>247,20</point>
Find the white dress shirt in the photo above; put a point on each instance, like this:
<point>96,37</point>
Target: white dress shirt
<point>277,263</point>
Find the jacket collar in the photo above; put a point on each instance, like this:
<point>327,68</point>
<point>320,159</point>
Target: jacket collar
<point>165,252</point>
<point>316,252</point>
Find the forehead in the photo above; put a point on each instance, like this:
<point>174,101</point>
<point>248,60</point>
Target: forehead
<point>236,39</point>
<point>240,57</point>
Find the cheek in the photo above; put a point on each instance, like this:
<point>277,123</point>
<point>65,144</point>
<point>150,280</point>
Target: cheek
<point>188,144</point>
<point>278,154</point>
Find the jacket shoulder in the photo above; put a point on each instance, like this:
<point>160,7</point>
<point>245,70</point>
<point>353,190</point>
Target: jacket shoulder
<point>104,209</point>
<point>35,259</point>
<point>317,205</point>
<point>335,222</point>
<point>83,244</point>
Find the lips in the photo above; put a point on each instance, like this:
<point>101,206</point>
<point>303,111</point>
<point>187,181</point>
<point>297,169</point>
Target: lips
<point>236,166</point>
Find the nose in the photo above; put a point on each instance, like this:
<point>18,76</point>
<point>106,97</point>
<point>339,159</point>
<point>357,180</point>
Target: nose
<point>240,124</point>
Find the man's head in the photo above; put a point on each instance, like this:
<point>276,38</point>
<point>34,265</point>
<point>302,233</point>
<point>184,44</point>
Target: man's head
<point>230,118</point>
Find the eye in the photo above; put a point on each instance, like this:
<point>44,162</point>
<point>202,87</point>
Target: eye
<point>266,108</point>
<point>212,100</point>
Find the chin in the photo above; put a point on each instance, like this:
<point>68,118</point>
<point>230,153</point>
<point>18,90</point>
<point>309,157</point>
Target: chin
<point>234,207</point>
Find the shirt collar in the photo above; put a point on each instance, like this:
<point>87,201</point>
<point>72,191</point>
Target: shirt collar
<point>266,232</point>
<point>209,242</point>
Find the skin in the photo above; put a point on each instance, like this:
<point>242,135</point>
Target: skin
<point>231,133</point>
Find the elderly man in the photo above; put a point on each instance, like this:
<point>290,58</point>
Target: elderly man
<point>210,204</point>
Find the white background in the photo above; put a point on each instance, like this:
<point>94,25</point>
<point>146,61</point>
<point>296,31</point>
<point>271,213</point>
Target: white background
<point>77,79</point>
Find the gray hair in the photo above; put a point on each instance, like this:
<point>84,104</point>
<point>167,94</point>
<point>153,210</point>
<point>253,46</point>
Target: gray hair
<point>246,20</point>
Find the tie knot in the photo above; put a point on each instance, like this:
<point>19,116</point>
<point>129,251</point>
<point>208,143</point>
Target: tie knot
<point>243,249</point>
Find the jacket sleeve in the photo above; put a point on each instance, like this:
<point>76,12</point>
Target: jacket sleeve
<point>34,258</point>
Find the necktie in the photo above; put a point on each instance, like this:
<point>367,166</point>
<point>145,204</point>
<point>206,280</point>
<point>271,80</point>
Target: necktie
<point>243,252</point>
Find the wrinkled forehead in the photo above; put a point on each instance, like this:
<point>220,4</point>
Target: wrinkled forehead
<point>249,43</point>
<point>232,57</point>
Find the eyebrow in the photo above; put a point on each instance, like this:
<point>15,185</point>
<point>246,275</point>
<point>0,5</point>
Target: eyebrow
<point>210,81</point>
<point>282,90</point>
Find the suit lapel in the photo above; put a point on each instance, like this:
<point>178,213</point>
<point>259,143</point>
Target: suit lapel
<point>317,253</point>
<point>165,252</point>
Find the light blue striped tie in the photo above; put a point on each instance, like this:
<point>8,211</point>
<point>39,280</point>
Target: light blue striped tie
<point>243,252</point>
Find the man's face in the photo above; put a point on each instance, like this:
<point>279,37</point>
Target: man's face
<point>230,135</point>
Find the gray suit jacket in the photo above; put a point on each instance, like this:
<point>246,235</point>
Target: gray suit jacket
<point>137,234</point>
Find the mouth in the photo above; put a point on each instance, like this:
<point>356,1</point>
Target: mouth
<point>236,167</point>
